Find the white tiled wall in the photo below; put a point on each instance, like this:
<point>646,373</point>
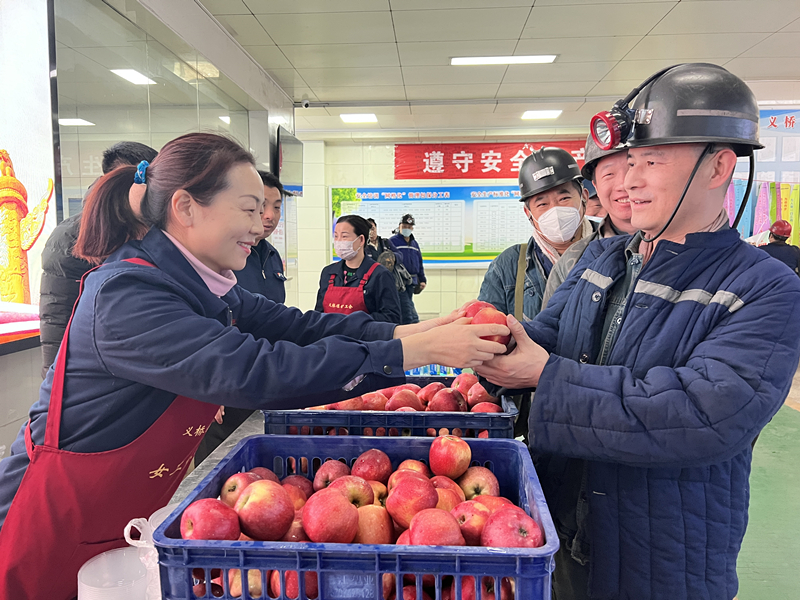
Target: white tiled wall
<point>331,165</point>
<point>20,374</point>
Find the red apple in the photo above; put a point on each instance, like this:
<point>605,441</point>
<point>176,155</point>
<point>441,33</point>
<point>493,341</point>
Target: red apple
<point>476,305</point>
<point>486,407</point>
<point>388,586</point>
<point>471,517</point>
<point>209,519</point>
<point>492,315</point>
<point>200,574</point>
<point>479,481</point>
<point>328,516</point>
<point>449,456</point>
<point>296,532</point>
<point>435,527</point>
<point>351,404</point>
<point>495,503</point>
<point>448,400</point>
<point>379,492</point>
<point>199,590</point>
<point>265,510</point>
<point>265,473</point>
<point>410,593</point>
<point>415,465</point>
<point>395,477</point>
<point>487,589</point>
<point>404,409</point>
<point>389,392</point>
<point>448,499</point>
<point>297,496</point>
<point>301,482</point>
<point>404,398</point>
<point>254,584</point>
<point>374,401</point>
<point>446,483</point>
<point>511,528</point>
<point>427,393</point>
<point>484,434</point>
<point>328,472</point>
<point>293,584</point>
<point>464,382</point>
<point>374,526</point>
<point>235,485</point>
<point>408,497</point>
<point>408,386</point>
<point>356,489</point>
<point>477,394</point>
<point>404,539</point>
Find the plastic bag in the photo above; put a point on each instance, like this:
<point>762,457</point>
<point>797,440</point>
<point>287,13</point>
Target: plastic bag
<point>147,551</point>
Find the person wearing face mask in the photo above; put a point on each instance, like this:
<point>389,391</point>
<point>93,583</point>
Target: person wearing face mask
<point>411,256</point>
<point>553,200</point>
<point>605,171</point>
<point>356,282</point>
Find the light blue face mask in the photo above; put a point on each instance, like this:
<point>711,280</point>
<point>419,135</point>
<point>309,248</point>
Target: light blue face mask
<point>406,232</point>
<point>594,219</point>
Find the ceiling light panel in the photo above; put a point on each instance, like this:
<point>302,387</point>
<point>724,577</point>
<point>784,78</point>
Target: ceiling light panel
<point>503,60</point>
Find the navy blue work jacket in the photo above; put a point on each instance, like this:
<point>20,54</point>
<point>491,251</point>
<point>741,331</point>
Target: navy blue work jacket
<point>412,256</point>
<point>263,273</point>
<point>141,336</point>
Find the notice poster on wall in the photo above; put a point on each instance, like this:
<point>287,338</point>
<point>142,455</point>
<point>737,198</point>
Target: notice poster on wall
<point>456,226</point>
<point>26,164</point>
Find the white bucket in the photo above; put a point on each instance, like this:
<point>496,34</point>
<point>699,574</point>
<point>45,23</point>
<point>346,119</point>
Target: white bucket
<point>114,575</point>
<point>147,553</point>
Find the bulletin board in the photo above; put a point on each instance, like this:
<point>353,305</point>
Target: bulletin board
<point>456,226</point>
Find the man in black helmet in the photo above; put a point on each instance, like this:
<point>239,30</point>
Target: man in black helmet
<point>411,257</point>
<point>653,375</point>
<point>554,202</point>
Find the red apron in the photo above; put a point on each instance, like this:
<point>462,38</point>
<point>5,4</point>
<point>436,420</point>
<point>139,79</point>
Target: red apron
<point>346,300</point>
<point>72,506</point>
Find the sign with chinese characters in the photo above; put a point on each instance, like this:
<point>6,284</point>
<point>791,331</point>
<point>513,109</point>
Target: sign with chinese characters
<point>456,226</point>
<point>779,160</point>
<point>470,161</point>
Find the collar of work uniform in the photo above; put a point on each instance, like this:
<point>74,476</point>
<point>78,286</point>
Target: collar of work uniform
<point>705,239</point>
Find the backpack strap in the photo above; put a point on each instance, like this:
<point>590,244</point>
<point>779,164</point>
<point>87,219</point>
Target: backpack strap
<point>519,288</point>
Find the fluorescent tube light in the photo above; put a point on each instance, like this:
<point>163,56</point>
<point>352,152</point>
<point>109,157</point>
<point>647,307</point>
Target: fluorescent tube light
<point>226,120</point>
<point>359,118</point>
<point>75,123</point>
<point>778,102</point>
<point>503,60</point>
<point>133,76</point>
<point>541,114</point>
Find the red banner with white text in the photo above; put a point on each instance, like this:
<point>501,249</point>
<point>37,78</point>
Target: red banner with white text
<point>470,161</point>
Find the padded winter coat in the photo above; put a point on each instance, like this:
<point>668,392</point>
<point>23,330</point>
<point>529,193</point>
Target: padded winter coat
<point>705,355</point>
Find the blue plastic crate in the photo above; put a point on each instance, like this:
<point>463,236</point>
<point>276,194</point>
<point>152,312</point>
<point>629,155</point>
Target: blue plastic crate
<point>350,571</point>
<point>393,424</point>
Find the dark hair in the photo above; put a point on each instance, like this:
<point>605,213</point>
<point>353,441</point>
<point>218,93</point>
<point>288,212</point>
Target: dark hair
<point>360,224</point>
<point>126,153</point>
<point>371,220</point>
<point>196,162</point>
<point>272,181</point>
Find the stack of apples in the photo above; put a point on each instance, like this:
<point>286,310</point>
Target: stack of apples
<point>446,502</point>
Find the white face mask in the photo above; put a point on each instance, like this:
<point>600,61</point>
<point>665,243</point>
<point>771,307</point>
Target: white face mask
<point>405,232</point>
<point>559,223</point>
<point>344,249</point>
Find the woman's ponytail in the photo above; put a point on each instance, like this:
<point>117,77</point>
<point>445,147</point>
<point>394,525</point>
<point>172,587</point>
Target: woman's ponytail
<point>108,221</point>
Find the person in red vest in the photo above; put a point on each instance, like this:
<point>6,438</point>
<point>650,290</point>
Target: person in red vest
<point>357,282</point>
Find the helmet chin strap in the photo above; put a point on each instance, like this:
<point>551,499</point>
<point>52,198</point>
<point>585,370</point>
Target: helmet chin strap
<point>747,191</point>
<point>706,152</point>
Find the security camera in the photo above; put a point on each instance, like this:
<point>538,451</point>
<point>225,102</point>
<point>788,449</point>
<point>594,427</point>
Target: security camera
<point>306,103</point>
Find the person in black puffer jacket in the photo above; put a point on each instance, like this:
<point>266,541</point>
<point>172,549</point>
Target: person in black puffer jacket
<point>61,271</point>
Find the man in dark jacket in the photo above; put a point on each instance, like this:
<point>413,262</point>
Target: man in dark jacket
<point>263,274</point>
<point>62,272</point>
<point>408,248</point>
<point>652,371</point>
<point>779,232</point>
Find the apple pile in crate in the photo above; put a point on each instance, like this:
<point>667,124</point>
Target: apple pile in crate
<point>444,503</point>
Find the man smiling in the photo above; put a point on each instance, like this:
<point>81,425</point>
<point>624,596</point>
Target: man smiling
<point>653,375</point>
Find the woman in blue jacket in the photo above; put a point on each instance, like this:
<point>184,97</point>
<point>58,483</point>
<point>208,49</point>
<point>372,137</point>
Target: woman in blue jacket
<point>161,336</point>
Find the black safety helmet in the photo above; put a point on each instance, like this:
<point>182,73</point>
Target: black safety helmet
<point>407,220</point>
<point>545,169</point>
<point>593,154</point>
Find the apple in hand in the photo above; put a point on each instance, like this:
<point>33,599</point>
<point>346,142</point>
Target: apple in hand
<point>265,473</point>
<point>293,584</point>
<point>209,519</point>
<point>446,483</point>
<point>471,517</point>
<point>448,400</point>
<point>357,490</point>
<point>404,398</point>
<point>477,394</point>
<point>235,485</point>
<point>486,407</point>
<point>464,382</point>
<point>296,532</point>
<point>328,472</point>
<point>473,307</point>
<point>297,496</point>
<point>374,526</point>
<point>265,511</point>
<point>301,482</point>
<point>435,527</point>
<point>373,465</point>
<point>415,465</point>
<point>379,492</point>
<point>511,528</point>
<point>427,393</point>
<point>410,496</point>
<point>374,401</point>
<point>492,315</point>
<point>328,516</point>
<point>449,456</point>
<point>478,481</point>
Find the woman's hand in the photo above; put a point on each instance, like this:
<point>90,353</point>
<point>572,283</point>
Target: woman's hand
<point>522,367</point>
<point>455,344</point>
<point>219,415</point>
